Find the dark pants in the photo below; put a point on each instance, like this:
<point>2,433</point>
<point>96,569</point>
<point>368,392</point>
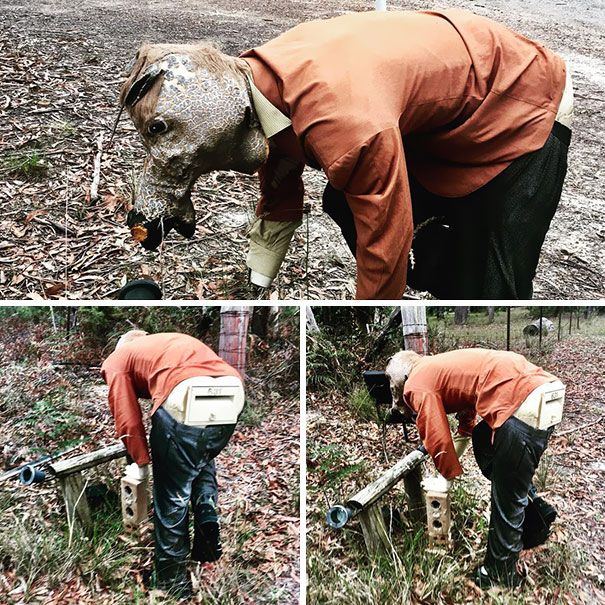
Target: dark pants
<point>509,463</point>
<point>183,472</point>
<point>485,245</point>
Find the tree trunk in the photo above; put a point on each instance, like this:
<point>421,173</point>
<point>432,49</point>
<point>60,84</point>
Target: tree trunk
<point>312,327</point>
<point>259,324</point>
<point>490,314</point>
<point>461,315</point>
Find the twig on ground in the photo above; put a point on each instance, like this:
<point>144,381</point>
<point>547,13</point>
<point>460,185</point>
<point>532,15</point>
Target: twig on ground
<point>96,174</point>
<point>582,426</point>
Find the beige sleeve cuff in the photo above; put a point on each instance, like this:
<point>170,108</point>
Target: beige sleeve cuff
<point>460,444</point>
<point>269,242</point>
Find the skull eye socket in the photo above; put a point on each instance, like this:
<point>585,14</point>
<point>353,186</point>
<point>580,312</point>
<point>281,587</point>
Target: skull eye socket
<point>157,127</point>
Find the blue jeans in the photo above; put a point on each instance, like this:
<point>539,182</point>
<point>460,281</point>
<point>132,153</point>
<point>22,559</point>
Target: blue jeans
<point>183,471</point>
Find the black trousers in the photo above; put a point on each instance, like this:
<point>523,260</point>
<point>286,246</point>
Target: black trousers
<point>485,245</point>
<point>184,472</point>
<point>509,463</point>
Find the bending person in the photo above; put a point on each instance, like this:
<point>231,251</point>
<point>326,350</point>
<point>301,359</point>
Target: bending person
<point>181,376</point>
<point>449,138</point>
<point>519,404</point>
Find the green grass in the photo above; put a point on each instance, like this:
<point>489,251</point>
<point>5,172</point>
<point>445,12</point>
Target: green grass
<point>251,416</point>
<point>331,464</point>
<point>544,472</point>
<point>38,545</point>
<point>28,165</point>
<point>52,419</point>
<point>341,572</point>
<point>363,405</point>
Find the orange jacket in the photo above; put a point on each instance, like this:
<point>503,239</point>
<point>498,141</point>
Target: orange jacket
<point>450,96</point>
<point>150,367</point>
<point>467,382</point>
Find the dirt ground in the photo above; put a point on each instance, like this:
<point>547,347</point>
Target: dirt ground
<point>60,65</point>
<point>570,478</point>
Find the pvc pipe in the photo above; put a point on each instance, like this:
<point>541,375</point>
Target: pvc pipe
<point>30,474</point>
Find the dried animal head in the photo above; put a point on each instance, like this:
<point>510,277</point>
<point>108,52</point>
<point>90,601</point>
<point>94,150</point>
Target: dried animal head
<point>191,105</point>
<point>397,371</point>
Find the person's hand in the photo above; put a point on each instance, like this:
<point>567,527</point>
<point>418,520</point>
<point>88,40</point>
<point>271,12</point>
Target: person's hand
<point>436,484</point>
<point>134,471</point>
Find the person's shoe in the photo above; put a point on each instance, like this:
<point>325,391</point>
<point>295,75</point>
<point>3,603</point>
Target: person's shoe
<point>207,545</point>
<point>171,578</point>
<point>546,510</point>
<point>485,581</point>
<point>539,516</point>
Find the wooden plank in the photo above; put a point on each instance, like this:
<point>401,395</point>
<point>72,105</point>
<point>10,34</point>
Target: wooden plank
<point>62,468</point>
<point>374,531</point>
<point>369,494</point>
<point>76,503</point>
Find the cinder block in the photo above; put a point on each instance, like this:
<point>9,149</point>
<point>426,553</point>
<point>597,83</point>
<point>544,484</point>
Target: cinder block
<point>438,517</point>
<point>134,502</point>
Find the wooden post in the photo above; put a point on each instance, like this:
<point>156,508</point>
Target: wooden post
<point>76,504</point>
<point>540,338</point>
<point>374,530</point>
<point>559,331</point>
<point>233,337</point>
<point>415,495</point>
<point>371,493</point>
<point>69,474</point>
<point>414,327</point>
<point>312,327</point>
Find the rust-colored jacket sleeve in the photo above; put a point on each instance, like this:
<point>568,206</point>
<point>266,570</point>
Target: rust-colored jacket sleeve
<point>434,431</point>
<point>281,187</point>
<point>125,408</point>
<point>375,180</point>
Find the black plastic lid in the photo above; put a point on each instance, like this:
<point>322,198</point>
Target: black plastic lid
<point>140,289</point>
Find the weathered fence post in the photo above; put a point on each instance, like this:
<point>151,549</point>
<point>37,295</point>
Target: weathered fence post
<point>540,335</point>
<point>233,337</point>
<point>508,328</point>
<point>374,531</point>
<point>76,503</point>
<point>69,474</point>
<point>415,495</point>
<point>415,331</point>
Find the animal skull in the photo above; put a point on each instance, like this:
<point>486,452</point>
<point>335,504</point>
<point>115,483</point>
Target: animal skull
<point>193,117</point>
<point>397,371</point>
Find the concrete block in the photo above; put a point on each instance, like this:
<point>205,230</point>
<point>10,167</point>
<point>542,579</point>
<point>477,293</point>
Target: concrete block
<point>135,502</point>
<point>438,517</point>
